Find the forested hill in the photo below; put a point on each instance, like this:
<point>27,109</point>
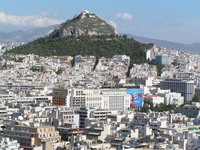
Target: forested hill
<point>99,46</point>
<point>85,34</point>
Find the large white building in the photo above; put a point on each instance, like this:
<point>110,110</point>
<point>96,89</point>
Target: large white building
<point>154,99</point>
<point>185,87</point>
<point>111,99</point>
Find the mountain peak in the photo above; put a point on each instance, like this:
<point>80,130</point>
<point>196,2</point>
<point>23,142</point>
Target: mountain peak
<point>82,15</point>
<point>83,24</point>
<point>84,12</point>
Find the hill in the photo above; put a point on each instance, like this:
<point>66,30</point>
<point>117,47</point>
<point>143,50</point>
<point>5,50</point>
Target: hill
<point>83,24</point>
<point>85,34</point>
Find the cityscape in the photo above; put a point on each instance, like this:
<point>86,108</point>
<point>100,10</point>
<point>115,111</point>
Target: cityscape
<point>84,83</point>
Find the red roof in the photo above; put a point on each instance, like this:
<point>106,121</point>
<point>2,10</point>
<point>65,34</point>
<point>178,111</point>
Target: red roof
<point>125,118</point>
<point>151,96</point>
<point>26,147</point>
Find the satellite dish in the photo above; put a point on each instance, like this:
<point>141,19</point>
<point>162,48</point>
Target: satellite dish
<point>20,118</point>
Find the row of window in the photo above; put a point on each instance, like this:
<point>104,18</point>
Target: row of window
<point>48,135</point>
<point>68,116</point>
<point>47,130</point>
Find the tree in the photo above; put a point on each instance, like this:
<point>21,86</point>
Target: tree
<point>125,36</point>
<point>59,72</point>
<point>158,107</point>
<point>196,98</point>
<point>145,108</point>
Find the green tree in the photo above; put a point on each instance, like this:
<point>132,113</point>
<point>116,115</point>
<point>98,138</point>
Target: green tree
<point>145,108</point>
<point>196,98</point>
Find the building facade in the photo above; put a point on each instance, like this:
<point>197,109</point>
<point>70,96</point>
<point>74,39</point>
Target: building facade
<point>59,96</point>
<point>163,59</point>
<point>31,136</point>
<point>185,87</point>
<point>110,99</point>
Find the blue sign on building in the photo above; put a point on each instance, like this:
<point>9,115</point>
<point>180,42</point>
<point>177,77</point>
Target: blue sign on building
<point>136,97</point>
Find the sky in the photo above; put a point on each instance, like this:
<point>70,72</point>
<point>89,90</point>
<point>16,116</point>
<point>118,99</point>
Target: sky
<point>172,20</point>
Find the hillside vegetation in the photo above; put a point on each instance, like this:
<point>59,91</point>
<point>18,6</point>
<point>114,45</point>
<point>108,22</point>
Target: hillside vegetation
<point>99,46</point>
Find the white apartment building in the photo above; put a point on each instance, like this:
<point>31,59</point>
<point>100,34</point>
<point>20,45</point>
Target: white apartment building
<point>154,99</point>
<point>174,99</point>
<point>84,63</point>
<point>3,113</point>
<point>145,131</point>
<point>171,98</point>
<point>7,98</point>
<point>8,144</point>
<point>150,55</point>
<point>63,116</point>
<point>91,113</point>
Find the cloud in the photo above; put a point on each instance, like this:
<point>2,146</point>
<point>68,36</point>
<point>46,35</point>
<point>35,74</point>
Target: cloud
<point>27,21</point>
<point>124,16</point>
<point>44,13</point>
<point>112,23</point>
<point>55,14</point>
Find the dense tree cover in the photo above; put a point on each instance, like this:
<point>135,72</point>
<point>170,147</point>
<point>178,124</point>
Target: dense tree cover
<point>99,46</point>
<point>158,107</point>
<point>196,98</point>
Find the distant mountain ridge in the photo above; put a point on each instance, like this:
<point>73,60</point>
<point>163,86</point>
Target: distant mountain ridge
<point>25,36</point>
<point>191,48</point>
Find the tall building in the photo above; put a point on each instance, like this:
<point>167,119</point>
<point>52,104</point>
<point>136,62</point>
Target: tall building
<point>59,96</point>
<point>150,55</point>
<point>185,87</point>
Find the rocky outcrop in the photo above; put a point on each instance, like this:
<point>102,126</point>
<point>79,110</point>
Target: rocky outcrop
<point>83,24</point>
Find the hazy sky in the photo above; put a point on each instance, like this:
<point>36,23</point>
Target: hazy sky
<point>173,20</point>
